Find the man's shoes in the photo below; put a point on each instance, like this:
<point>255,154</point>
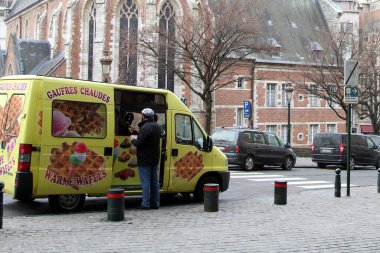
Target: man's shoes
<point>144,208</point>
<point>154,207</point>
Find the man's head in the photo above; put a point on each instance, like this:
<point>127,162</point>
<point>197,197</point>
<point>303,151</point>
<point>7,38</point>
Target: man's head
<point>147,113</point>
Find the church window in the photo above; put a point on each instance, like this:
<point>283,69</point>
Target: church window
<point>91,39</point>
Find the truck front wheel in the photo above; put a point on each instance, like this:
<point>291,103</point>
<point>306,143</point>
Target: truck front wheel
<point>66,202</point>
<point>198,192</point>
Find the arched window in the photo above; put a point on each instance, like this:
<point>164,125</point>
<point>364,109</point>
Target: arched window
<point>128,43</point>
<point>166,47</point>
<point>10,70</point>
<point>37,28</point>
<point>26,29</point>
<point>91,40</point>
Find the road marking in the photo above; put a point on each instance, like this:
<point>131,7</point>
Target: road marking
<point>278,178</point>
<point>309,182</point>
<point>245,173</point>
<point>255,176</point>
<point>325,186</point>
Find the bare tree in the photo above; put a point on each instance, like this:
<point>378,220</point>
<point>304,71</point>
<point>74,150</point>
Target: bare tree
<point>323,73</point>
<point>369,103</point>
<point>207,45</point>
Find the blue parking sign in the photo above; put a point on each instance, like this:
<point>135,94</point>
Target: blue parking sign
<point>247,109</point>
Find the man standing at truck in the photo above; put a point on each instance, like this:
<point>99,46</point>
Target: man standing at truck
<point>148,156</point>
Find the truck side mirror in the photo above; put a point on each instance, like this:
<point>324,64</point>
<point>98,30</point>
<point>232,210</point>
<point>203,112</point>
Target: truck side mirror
<point>207,144</point>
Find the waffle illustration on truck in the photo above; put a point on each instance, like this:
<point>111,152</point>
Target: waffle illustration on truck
<point>9,115</point>
<point>189,165</point>
<point>83,116</point>
<point>75,165</point>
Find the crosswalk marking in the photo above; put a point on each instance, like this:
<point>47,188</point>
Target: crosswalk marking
<point>255,176</point>
<point>277,179</point>
<point>308,182</point>
<point>296,181</point>
<point>324,186</point>
<point>246,173</point>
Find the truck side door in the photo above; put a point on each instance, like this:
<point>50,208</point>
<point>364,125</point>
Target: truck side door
<point>187,159</point>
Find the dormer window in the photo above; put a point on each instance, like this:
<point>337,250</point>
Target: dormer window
<point>316,50</point>
<point>274,46</point>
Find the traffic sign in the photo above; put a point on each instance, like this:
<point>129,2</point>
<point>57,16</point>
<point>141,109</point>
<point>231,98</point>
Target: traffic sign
<point>351,95</point>
<point>351,73</point>
<point>247,109</point>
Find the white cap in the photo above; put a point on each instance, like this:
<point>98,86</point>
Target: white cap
<point>147,112</point>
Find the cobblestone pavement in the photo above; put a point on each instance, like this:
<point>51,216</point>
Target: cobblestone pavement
<point>312,221</point>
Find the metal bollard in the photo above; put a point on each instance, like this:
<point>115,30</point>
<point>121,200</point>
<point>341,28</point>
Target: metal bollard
<point>378,181</point>
<point>1,204</point>
<point>115,204</point>
<point>211,196</point>
<point>280,192</point>
<point>337,183</point>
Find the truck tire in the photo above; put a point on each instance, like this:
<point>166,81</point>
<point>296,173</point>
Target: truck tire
<point>198,192</point>
<point>66,202</point>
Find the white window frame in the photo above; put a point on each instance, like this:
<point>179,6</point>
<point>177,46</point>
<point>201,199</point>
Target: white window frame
<point>313,130</point>
<point>284,133</point>
<point>240,81</point>
<point>271,128</point>
<point>239,116</point>
<point>313,99</point>
<point>331,128</point>
<point>270,94</point>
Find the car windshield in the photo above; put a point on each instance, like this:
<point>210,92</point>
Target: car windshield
<point>327,140</point>
<point>224,135</point>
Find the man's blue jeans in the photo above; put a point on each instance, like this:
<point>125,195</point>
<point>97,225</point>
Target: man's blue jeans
<point>150,186</point>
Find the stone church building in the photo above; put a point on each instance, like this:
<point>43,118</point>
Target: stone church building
<point>68,38</point>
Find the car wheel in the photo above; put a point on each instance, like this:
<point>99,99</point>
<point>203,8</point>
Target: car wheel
<point>198,192</point>
<point>66,202</point>
<point>377,165</point>
<point>248,163</point>
<point>288,163</point>
<point>352,163</point>
<point>321,165</point>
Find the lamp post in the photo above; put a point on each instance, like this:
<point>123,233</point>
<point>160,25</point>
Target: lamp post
<point>106,61</point>
<point>289,92</point>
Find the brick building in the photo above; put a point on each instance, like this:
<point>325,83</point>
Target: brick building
<point>67,38</point>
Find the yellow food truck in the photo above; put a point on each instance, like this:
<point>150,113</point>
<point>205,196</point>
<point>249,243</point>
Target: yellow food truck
<point>65,139</point>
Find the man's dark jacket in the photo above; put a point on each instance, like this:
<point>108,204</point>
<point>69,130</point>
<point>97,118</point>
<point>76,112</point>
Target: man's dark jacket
<point>148,143</point>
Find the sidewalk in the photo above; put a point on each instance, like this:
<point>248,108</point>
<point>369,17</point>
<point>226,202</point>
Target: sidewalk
<point>313,221</point>
<point>305,162</point>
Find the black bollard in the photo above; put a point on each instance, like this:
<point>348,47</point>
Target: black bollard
<point>280,192</point>
<point>211,196</point>
<point>1,204</point>
<point>337,183</point>
<point>115,204</point>
<point>378,181</point>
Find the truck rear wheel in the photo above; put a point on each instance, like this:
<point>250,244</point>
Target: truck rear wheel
<point>198,192</point>
<point>66,202</point>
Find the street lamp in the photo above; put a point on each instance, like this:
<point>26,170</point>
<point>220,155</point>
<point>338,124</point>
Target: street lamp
<point>289,92</point>
<point>106,61</point>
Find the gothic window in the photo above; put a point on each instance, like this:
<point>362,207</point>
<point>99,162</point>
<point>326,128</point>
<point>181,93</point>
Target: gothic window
<point>37,28</point>
<point>128,43</point>
<point>166,47</point>
<point>91,39</point>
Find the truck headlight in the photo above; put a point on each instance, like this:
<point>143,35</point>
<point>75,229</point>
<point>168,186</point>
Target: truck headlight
<point>226,162</point>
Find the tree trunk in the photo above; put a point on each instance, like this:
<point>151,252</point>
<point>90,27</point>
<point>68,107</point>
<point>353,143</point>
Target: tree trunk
<point>208,115</point>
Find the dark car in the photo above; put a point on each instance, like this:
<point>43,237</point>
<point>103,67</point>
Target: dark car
<point>252,149</point>
<point>376,139</point>
<point>331,149</point>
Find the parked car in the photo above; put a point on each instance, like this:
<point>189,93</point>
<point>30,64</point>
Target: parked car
<point>331,148</point>
<point>252,149</point>
<point>376,139</point>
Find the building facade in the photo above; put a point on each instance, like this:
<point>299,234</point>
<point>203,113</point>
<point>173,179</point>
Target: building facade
<point>69,37</point>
